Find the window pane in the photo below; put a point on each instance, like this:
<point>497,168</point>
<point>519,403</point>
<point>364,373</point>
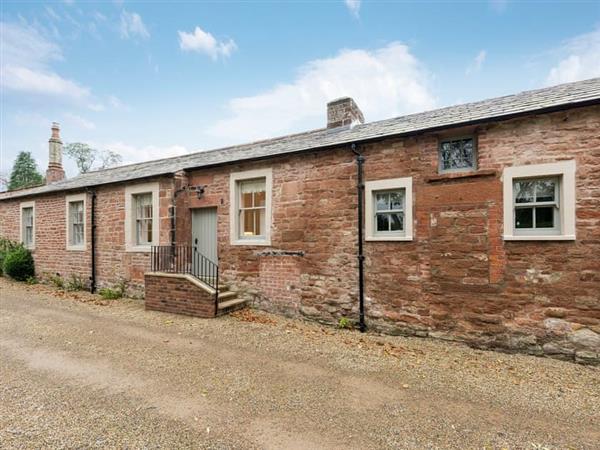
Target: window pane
<point>383,202</point>
<point>248,222</point>
<point>544,190</point>
<point>28,216</point>
<point>383,223</point>
<point>247,200</point>
<point>144,231</point>
<point>397,200</point>
<point>259,198</point>
<point>524,191</point>
<point>397,221</point>
<point>524,218</point>
<point>77,234</point>
<point>143,203</point>
<point>544,217</point>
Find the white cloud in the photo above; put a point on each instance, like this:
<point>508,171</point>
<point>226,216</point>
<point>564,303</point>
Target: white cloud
<point>26,56</point>
<point>79,121</point>
<point>203,42</point>
<point>115,102</point>
<point>580,59</point>
<point>353,6</point>
<point>133,154</point>
<point>477,63</point>
<point>132,26</point>
<point>385,82</point>
<point>36,82</point>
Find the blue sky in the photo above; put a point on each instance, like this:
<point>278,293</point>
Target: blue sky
<point>154,79</point>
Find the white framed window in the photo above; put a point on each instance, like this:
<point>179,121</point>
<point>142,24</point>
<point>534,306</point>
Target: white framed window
<point>539,201</point>
<point>27,225</point>
<point>75,220</point>
<point>142,224</point>
<point>388,210</point>
<point>457,154</point>
<point>250,207</point>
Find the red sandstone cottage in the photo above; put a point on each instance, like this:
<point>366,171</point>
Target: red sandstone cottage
<point>481,223</point>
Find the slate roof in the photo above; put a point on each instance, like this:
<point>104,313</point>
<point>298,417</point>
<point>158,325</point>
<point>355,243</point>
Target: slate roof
<point>540,100</point>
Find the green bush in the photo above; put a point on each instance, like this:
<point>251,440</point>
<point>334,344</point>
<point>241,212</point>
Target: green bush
<point>110,293</point>
<point>57,281</point>
<point>18,264</point>
<point>344,323</point>
<point>6,245</point>
<point>75,283</point>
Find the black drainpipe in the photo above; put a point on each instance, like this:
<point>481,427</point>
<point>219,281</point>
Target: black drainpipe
<point>93,241</point>
<point>360,187</point>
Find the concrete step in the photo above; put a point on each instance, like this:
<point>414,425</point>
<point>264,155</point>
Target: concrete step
<point>230,305</point>
<point>227,295</point>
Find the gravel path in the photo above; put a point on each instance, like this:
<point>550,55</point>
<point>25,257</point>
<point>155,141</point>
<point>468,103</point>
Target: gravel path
<point>77,372</point>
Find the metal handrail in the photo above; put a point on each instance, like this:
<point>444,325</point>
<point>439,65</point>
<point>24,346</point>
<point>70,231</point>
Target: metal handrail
<point>185,259</point>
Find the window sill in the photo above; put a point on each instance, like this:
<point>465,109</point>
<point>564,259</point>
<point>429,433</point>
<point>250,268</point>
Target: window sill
<point>460,175</point>
<point>388,238</point>
<point>559,237</point>
<point>252,243</point>
<point>138,248</point>
<point>75,248</point>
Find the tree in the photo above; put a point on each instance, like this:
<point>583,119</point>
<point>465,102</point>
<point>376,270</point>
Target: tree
<point>85,156</point>
<point>109,159</point>
<point>25,172</point>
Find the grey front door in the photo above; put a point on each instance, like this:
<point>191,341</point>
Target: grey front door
<point>204,232</point>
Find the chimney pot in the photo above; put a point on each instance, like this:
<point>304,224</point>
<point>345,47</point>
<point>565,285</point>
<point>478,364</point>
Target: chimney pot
<point>342,112</point>
<point>55,170</point>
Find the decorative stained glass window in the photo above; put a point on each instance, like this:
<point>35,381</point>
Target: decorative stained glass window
<point>536,204</point>
<point>457,155</point>
<point>389,211</point>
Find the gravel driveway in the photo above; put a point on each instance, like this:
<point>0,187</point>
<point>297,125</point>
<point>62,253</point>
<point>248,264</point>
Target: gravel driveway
<point>79,372</point>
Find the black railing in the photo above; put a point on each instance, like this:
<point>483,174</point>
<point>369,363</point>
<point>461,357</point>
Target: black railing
<point>187,260</point>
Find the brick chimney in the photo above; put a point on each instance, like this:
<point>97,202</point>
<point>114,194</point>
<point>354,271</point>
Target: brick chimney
<point>343,111</point>
<point>55,170</point>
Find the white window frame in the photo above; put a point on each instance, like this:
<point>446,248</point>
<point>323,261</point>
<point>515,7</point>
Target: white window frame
<point>565,172</point>
<point>72,199</point>
<point>234,203</point>
<point>130,223</point>
<point>371,187</point>
<point>23,206</point>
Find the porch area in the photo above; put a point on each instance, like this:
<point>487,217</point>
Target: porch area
<point>184,281</point>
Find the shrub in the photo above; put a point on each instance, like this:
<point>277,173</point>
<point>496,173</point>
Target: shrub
<point>110,293</point>
<point>32,280</point>
<point>117,291</point>
<point>75,283</point>
<point>6,245</point>
<point>18,264</point>
<point>57,281</point>
<point>344,323</point>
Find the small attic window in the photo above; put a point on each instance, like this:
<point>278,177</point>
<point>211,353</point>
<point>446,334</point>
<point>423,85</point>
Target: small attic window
<point>457,154</point>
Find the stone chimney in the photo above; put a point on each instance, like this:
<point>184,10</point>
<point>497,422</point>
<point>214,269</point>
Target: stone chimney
<point>55,170</point>
<point>343,111</point>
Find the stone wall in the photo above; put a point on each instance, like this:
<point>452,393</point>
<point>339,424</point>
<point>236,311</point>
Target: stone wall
<point>457,279</point>
<point>178,294</point>
<point>113,264</point>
